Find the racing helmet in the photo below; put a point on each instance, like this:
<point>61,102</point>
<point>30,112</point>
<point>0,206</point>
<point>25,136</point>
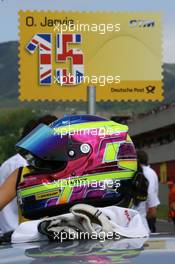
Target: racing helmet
<point>76,159</point>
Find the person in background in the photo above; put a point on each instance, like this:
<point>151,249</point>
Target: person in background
<point>9,215</point>
<point>152,200</point>
<point>171,200</point>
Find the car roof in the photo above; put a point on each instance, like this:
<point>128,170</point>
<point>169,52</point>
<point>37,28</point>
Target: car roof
<point>159,248</point>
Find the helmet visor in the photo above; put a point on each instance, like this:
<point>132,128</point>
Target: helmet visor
<point>44,143</point>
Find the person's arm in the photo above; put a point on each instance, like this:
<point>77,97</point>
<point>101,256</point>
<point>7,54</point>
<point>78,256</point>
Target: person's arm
<point>8,189</point>
<point>152,200</point>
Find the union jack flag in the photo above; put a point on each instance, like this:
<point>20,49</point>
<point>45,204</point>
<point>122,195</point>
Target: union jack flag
<point>76,56</point>
<point>43,41</point>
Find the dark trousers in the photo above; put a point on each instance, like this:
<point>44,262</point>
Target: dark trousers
<point>152,224</point>
<point>173,220</point>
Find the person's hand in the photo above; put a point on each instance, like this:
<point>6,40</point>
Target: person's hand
<point>152,212</point>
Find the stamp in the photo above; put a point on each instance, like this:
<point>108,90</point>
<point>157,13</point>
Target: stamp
<point>61,53</point>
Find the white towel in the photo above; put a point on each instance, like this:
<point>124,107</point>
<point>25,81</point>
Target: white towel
<point>27,232</point>
<point>85,218</point>
<point>125,222</point>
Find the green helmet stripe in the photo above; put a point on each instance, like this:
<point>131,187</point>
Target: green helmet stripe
<point>76,181</point>
<point>107,125</point>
